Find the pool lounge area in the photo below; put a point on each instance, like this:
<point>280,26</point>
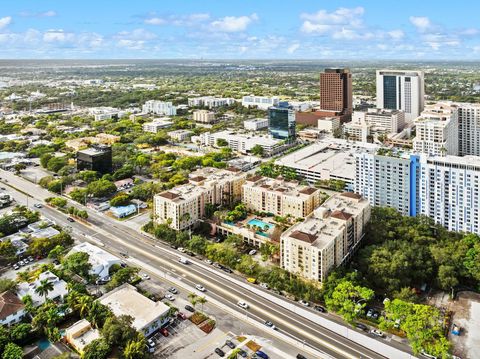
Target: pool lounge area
<point>245,229</point>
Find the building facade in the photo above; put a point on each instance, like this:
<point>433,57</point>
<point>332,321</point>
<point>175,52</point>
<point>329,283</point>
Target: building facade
<point>279,197</point>
<point>468,129</point>
<point>281,122</point>
<point>261,102</point>
<point>437,130</point>
<point>401,90</point>
<point>255,124</point>
<point>159,108</point>
<point>386,121</point>
<point>183,205</point>
<point>210,101</point>
<point>12,309</point>
<point>180,135</point>
<point>336,91</point>
<point>204,116</point>
<point>97,158</point>
<point>327,238</point>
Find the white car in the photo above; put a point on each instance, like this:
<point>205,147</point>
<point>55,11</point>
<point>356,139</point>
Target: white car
<point>378,333</point>
<point>151,343</point>
<point>304,303</point>
<point>200,287</point>
<point>145,276</point>
<point>242,304</point>
<point>252,252</point>
<point>181,249</point>
<point>264,285</point>
<point>169,297</point>
<point>208,261</point>
<point>183,260</point>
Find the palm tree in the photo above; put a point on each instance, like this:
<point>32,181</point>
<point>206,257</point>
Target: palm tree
<point>202,301</point>
<point>23,276</point>
<point>83,305</point>
<point>44,288</point>
<point>193,298</point>
<point>98,313</point>
<point>135,348</point>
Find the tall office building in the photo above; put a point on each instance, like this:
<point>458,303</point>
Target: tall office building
<point>96,158</point>
<point>468,129</point>
<point>401,90</point>
<point>336,91</point>
<point>281,122</point>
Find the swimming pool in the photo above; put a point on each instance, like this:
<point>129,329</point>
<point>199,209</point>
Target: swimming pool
<point>259,223</point>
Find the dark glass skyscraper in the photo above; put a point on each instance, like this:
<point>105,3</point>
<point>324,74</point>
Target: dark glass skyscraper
<point>390,92</point>
<point>281,122</point>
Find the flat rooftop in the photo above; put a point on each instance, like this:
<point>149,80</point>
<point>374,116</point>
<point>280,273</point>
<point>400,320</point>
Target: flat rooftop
<point>286,188</point>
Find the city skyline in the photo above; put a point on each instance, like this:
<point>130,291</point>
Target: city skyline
<point>249,30</point>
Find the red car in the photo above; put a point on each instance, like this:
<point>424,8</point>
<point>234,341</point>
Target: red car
<point>164,332</point>
<point>181,316</point>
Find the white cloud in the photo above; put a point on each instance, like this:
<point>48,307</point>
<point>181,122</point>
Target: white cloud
<point>324,21</point>
<point>422,23</point>
<point>49,13</point>
<point>155,21</point>
<point>233,23</point>
<point>137,34</point>
<point>396,34</point>
<point>5,21</point>
<point>292,48</point>
<point>57,36</point>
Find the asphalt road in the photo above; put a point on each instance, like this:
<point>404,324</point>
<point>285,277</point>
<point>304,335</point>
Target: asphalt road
<point>117,238</point>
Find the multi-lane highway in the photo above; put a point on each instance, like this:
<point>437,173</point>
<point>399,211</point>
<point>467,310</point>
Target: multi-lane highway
<point>143,251</point>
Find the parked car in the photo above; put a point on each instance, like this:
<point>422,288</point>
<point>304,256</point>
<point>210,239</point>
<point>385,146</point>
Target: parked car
<point>173,290</point>
<point>369,313</point>
<point>208,261</point>
<point>242,304</point>
<point>56,262</point>
<point>304,303</point>
<point>319,308</point>
<point>264,285</point>
<point>16,267</point>
<point>70,219</point>
<point>300,356</point>
<point>217,265</point>
<point>230,344</point>
<point>226,269</point>
<point>150,343</point>
<point>375,314</point>
<point>200,287</point>
<point>189,308</point>
<point>164,332</point>
<point>252,252</point>
<point>181,316</point>
<point>169,297</point>
<point>145,276</point>
<point>261,354</point>
<point>242,353</point>
<point>377,333</point>
<point>30,259</point>
<point>181,249</point>
<point>219,352</point>
<point>270,324</point>
<point>361,326</point>
<point>21,263</point>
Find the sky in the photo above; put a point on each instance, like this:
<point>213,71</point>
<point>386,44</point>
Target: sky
<point>240,29</point>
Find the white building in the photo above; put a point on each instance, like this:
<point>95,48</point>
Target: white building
<point>385,121</point>
<point>357,131</point>
<point>204,116</point>
<point>156,125</point>
<point>328,159</point>
<point>106,113</point>
<point>255,124</point>
<point>148,316</point>
<point>12,309</point>
<point>210,101</point>
<point>242,143</point>
<point>57,294</point>
<point>159,108</point>
<point>303,106</point>
<point>329,124</point>
<point>180,135</point>
<point>401,90</point>
<point>449,191</point>
<point>383,178</point>
<point>100,259</point>
<point>437,130</point>
<point>262,102</point>
<point>327,238</point>
<point>468,129</point>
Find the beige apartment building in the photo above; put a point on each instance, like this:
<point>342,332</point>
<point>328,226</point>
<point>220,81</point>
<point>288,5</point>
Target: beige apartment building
<point>183,205</point>
<point>279,197</point>
<point>327,238</point>
<point>204,116</point>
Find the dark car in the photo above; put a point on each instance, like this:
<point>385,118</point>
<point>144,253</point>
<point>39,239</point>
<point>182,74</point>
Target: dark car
<point>56,262</point>
<point>219,352</point>
<point>242,353</point>
<point>70,219</point>
<point>361,326</point>
<point>189,308</point>
<point>319,308</point>
<point>228,270</point>
<point>300,356</point>
<point>181,316</point>
<point>164,332</point>
<point>261,354</point>
<point>191,254</point>
<point>230,344</point>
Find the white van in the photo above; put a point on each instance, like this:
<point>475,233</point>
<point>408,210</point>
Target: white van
<point>183,260</point>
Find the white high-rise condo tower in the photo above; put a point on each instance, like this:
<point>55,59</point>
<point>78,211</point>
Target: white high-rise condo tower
<point>401,90</point>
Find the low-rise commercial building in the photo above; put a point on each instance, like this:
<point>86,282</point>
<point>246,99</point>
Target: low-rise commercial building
<point>183,205</point>
<point>98,158</point>
<point>255,124</point>
<point>148,316</point>
<point>327,238</point>
<point>356,131</point>
<point>180,135</point>
<point>261,102</point>
<point>381,120</point>
<point>156,125</point>
<point>328,124</point>
<point>204,116</point>
<point>279,197</point>
<point>210,101</point>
